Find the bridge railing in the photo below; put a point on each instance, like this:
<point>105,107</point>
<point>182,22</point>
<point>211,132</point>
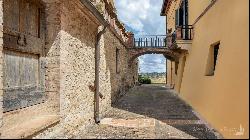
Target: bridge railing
<point>158,41</point>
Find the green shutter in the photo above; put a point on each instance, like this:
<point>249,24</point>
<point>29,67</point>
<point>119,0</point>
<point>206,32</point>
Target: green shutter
<point>176,17</point>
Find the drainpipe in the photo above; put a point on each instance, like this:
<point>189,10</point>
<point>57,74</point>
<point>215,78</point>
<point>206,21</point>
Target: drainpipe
<point>101,31</point>
<point>166,71</point>
<point>171,75</point>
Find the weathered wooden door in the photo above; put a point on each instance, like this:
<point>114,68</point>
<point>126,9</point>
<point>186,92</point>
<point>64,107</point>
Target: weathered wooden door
<point>23,52</point>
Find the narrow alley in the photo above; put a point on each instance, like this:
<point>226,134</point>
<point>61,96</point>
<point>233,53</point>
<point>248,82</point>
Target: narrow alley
<point>148,111</point>
<point>124,69</point>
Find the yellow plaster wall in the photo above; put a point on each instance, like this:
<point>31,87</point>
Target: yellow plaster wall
<point>180,71</point>
<point>168,72</point>
<point>171,76</point>
<point>196,7</point>
<point>222,99</point>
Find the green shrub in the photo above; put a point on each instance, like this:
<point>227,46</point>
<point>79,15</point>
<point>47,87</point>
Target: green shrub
<point>144,80</point>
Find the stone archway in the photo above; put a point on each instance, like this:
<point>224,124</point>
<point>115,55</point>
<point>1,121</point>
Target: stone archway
<point>170,54</point>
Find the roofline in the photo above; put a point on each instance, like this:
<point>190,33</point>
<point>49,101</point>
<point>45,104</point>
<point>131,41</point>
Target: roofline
<point>95,12</point>
<point>164,6</point>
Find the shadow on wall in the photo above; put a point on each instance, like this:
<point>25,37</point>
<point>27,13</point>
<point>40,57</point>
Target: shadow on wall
<point>121,75</point>
<point>76,53</point>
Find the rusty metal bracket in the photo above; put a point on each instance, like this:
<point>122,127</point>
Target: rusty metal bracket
<point>93,89</point>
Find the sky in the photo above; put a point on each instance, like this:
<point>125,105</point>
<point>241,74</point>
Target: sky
<point>143,18</point>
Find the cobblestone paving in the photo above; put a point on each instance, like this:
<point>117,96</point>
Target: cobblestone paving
<point>150,111</point>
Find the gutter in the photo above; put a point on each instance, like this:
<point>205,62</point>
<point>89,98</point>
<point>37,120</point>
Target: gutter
<point>101,30</point>
<point>164,6</point>
<point>100,18</point>
<point>95,12</point>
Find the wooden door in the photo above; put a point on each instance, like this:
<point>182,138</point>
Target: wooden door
<point>23,51</point>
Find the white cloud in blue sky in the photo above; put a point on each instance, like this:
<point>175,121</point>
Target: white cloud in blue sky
<point>143,16</point>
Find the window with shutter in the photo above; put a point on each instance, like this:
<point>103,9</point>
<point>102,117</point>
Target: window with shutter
<point>177,17</point>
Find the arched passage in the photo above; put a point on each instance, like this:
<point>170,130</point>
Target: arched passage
<point>153,67</point>
<point>168,53</point>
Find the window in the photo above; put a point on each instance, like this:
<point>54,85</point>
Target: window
<point>181,14</point>
<point>117,60</point>
<point>23,16</point>
<point>176,17</point>
<point>212,59</point>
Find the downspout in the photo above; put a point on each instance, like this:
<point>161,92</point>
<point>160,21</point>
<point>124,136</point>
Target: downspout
<point>171,76</point>
<point>101,31</point>
<point>166,71</point>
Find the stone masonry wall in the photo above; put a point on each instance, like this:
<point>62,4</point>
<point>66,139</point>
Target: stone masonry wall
<point>116,78</point>
<point>77,66</point>
<point>70,69</point>
<point>52,53</point>
<point>1,65</point>
<point>77,69</point>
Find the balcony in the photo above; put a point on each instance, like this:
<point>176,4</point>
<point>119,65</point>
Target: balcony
<point>183,37</point>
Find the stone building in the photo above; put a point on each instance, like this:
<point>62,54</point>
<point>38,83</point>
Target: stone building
<point>213,73</point>
<point>63,63</point>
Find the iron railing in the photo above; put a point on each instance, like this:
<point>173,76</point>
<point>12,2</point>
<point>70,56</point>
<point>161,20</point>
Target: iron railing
<point>184,32</point>
<point>150,41</point>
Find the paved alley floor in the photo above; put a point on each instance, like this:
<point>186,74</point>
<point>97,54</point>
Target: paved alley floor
<point>150,111</point>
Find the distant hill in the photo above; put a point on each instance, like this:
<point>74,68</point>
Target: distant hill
<point>153,74</point>
<point>155,77</point>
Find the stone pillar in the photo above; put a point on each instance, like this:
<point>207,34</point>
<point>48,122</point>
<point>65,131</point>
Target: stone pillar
<point>52,53</point>
<point>1,65</point>
<point>130,39</point>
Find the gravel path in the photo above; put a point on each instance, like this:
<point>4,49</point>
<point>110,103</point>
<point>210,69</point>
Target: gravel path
<point>148,112</point>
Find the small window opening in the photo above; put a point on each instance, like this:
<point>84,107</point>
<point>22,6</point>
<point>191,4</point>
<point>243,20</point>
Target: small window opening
<point>117,60</point>
<point>212,59</point>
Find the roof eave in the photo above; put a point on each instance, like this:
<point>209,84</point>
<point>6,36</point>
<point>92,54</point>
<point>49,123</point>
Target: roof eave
<point>164,6</point>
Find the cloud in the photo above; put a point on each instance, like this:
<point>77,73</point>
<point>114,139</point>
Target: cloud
<point>142,15</point>
<point>143,18</point>
<point>152,63</point>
